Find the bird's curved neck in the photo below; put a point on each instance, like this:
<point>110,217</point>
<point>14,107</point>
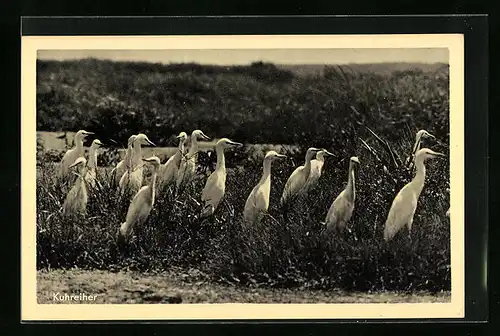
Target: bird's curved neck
<point>307,164</point>
<point>418,140</point>
<point>181,146</point>
<point>351,184</point>
<point>194,146</point>
<point>152,184</point>
<point>136,154</point>
<point>221,160</point>
<point>92,158</point>
<point>419,178</point>
<point>266,174</point>
<point>79,143</point>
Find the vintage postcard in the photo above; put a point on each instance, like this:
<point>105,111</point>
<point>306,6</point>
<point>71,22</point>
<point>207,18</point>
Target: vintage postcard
<point>242,177</point>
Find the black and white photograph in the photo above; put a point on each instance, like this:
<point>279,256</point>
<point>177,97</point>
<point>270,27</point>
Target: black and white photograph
<point>268,174</point>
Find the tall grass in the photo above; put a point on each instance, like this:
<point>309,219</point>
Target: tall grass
<point>281,251</point>
<point>371,116</point>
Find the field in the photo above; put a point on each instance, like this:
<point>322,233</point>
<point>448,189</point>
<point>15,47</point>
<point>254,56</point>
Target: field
<point>371,115</point>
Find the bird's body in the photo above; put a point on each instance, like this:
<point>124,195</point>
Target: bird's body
<point>73,154</point>
<point>316,169</point>
<point>405,203</point>
<point>141,205</point>
<point>124,164</point>
<point>297,181</point>
<point>76,199</point>
<point>132,178</point>
<point>168,171</point>
<point>258,201</point>
<point>187,166</point>
<point>341,210</point>
<point>91,174</point>
<point>215,187</point>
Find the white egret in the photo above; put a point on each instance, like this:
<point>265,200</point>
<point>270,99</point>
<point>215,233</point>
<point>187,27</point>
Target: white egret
<point>76,199</point>
<point>316,168</point>
<point>341,210</point>
<point>168,171</point>
<point>132,178</point>
<point>187,166</point>
<point>297,181</point>
<point>405,203</point>
<point>216,183</point>
<point>141,205</point>
<point>124,164</point>
<point>74,153</point>
<point>91,174</point>
<point>422,134</point>
<point>258,201</point>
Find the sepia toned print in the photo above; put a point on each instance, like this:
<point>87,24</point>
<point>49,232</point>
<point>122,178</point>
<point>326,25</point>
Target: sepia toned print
<point>312,176</point>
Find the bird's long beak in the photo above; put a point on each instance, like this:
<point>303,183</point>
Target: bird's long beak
<point>238,144</point>
<point>150,142</point>
<point>88,133</point>
<point>439,154</point>
<point>74,164</point>
<point>328,153</point>
<point>204,136</point>
<point>281,156</point>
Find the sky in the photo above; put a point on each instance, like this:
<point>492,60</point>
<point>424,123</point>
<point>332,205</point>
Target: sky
<point>246,56</point>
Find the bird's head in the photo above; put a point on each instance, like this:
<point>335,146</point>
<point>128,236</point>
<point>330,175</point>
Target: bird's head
<point>143,140</point>
<point>97,143</point>
<point>153,160</point>
<point>322,153</point>
<point>80,162</point>
<point>272,155</point>
<point>226,143</point>
<point>198,134</point>
<point>354,159</point>
<point>424,134</point>
<point>426,153</point>
<point>311,152</point>
<point>82,134</point>
<point>182,136</point>
<point>131,140</point>
<point>354,162</point>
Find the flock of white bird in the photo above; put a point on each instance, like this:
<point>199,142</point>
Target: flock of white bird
<point>180,169</point>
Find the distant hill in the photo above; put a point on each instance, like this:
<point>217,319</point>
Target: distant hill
<point>378,68</point>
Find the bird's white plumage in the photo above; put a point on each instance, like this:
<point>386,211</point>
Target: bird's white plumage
<point>342,208</point>
<point>132,178</point>
<point>258,201</point>
<point>91,174</point>
<point>124,164</point>
<point>296,182</point>
<point>73,154</point>
<point>405,203</point>
<point>215,187</point>
<point>187,166</point>
<point>142,203</point>
<point>76,199</point>
<point>316,169</point>
<point>168,171</point>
